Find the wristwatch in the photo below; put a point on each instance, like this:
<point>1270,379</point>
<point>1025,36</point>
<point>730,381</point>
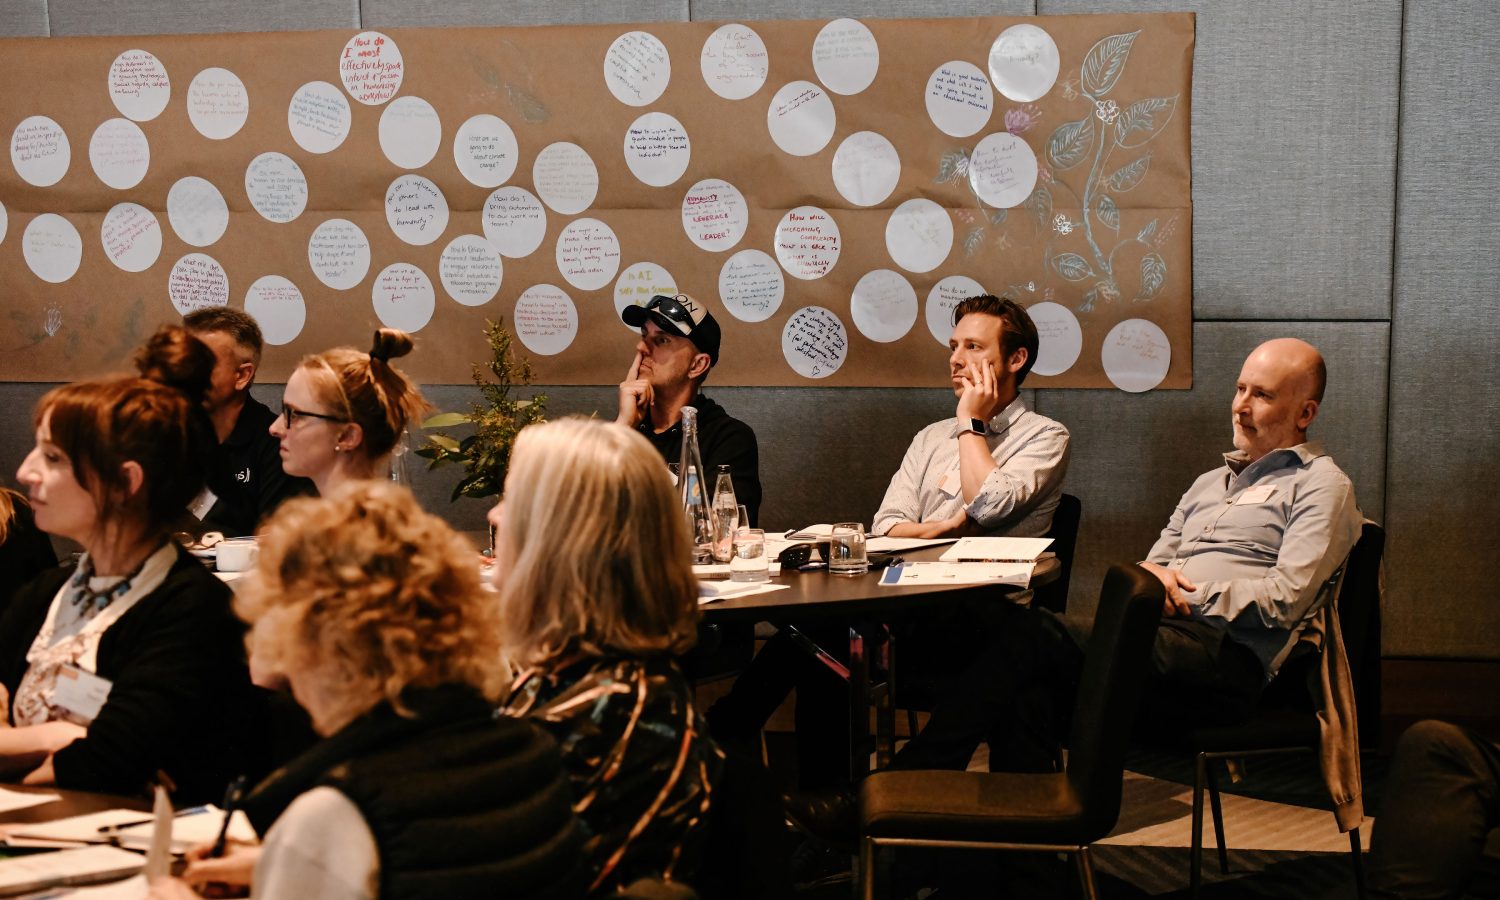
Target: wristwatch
<point>978,426</point>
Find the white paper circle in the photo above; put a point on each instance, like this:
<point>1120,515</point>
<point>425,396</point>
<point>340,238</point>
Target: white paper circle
<point>319,117</point>
<point>883,306</point>
<point>197,281</point>
<point>714,215</point>
<point>945,295</point>
<point>1061,338</point>
<point>845,56</point>
<point>734,61</point>
<point>959,98</point>
<point>545,318</point>
<point>131,237</point>
<point>217,103</point>
<point>4,222</point>
<point>514,221</point>
<point>751,286</point>
<point>588,254</point>
<point>277,307</point>
<point>119,153</point>
<point>371,68</point>
<point>403,297</point>
<point>339,254</point>
<point>637,68</point>
<point>416,210</point>
<point>410,132</point>
<point>197,211</point>
<point>814,342</point>
<point>1136,355</point>
<point>657,149</point>
<point>808,243</point>
<point>138,85</point>
<point>1003,170</point>
<point>1024,63</point>
<point>52,248</point>
<point>565,178</point>
<point>639,283</point>
<point>866,168</point>
<point>919,235</point>
<point>801,118</point>
<point>484,148</point>
<point>40,152</point>
<point>470,270</point>
<point>276,186</point>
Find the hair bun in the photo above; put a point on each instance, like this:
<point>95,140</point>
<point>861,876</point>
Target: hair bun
<point>389,344</point>
<point>175,358</point>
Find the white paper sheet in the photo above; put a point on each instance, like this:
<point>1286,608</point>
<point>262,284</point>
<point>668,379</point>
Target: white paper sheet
<point>709,591</point>
<point>958,573</point>
<point>77,866</point>
<point>996,549</point>
<point>14,800</point>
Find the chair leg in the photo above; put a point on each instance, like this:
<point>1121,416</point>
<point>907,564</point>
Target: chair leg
<point>866,886</point>
<point>1195,858</point>
<point>911,722</point>
<point>1357,852</point>
<point>1086,874</point>
<point>1218,810</point>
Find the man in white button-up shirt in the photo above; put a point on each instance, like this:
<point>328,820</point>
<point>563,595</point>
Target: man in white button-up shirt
<point>995,467</point>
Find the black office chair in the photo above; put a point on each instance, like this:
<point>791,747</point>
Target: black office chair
<point>1059,812</point>
<point>1064,534</point>
<point>1285,720</point>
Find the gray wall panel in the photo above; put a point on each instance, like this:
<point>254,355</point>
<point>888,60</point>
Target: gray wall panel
<point>737,10</point>
<point>23,18</point>
<point>1293,154</point>
<point>403,13</point>
<point>1133,456</point>
<point>79,17</point>
<point>1444,558</point>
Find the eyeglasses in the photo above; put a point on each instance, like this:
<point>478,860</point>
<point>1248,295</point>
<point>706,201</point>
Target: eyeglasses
<point>673,308</point>
<point>290,414</point>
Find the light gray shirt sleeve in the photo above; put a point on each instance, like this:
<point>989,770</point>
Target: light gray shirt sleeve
<point>320,847</point>
<point>1032,467</point>
<point>902,501</point>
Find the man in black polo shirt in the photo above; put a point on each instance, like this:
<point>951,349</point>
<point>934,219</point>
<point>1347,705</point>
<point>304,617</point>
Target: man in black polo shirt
<point>679,344</point>
<point>250,482</point>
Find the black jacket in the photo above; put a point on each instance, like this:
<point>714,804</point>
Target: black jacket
<point>462,803</point>
<point>247,474</point>
<point>180,689</point>
<point>24,554</point>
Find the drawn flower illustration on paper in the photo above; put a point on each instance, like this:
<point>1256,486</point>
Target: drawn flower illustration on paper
<point>1021,119</point>
<point>1106,110</point>
<point>1062,224</point>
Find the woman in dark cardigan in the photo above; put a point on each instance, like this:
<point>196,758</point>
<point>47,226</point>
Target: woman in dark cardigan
<point>137,622</point>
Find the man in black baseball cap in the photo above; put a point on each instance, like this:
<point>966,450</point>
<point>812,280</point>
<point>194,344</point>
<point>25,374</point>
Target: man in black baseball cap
<point>679,345</point>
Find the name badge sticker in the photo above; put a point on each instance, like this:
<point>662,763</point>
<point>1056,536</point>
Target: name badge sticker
<point>79,694</point>
<point>951,483</point>
<point>1257,494</point>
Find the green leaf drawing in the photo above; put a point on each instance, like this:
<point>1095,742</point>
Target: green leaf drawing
<point>1153,273</point>
<point>1070,143</point>
<point>1104,63</point>
<point>999,216</point>
<point>1088,300</point>
<point>1040,204</point>
<point>1143,120</point>
<point>973,240</point>
<point>1072,266</point>
<point>1146,233</point>
<point>1128,175</point>
<point>949,167</point>
<point>1109,214</point>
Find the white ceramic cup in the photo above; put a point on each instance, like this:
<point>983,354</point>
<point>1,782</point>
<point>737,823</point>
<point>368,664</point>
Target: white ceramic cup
<point>236,554</point>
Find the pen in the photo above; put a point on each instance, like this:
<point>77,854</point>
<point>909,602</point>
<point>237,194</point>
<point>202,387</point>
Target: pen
<point>121,826</point>
<point>232,797</point>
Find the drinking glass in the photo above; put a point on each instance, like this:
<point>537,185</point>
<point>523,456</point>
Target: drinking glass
<point>846,549</point>
<point>748,562</point>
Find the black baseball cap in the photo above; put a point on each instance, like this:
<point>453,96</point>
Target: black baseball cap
<point>679,314</point>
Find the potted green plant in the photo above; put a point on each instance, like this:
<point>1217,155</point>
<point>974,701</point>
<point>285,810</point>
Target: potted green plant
<point>496,420</point>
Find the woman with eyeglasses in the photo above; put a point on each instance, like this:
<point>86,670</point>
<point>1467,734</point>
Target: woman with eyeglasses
<point>344,411</point>
<point>130,663</point>
<point>597,595</point>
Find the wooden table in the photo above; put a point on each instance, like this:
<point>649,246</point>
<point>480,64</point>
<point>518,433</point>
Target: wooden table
<point>867,606</point>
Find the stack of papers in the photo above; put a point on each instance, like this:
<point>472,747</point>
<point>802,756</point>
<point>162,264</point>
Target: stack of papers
<point>958,573</point>
<point>84,865</point>
<point>131,828</point>
<point>996,549</point>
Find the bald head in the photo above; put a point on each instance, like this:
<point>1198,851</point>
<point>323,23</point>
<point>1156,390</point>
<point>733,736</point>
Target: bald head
<point>1277,396</point>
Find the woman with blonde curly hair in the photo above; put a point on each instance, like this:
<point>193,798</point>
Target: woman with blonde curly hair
<point>373,612</point>
<point>597,594</point>
<point>343,412</point>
